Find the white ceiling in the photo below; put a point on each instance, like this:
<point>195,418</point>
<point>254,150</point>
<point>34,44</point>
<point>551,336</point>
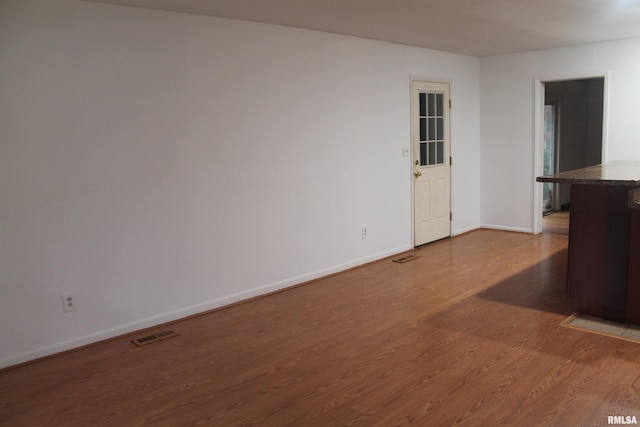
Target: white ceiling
<point>473,27</point>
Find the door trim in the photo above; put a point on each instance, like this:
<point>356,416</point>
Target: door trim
<point>428,80</point>
<point>421,78</point>
<point>538,134</point>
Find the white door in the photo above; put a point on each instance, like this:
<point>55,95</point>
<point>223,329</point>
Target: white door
<point>431,162</point>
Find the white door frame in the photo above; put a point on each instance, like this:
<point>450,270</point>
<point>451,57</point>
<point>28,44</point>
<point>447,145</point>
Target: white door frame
<point>538,132</point>
<point>412,79</point>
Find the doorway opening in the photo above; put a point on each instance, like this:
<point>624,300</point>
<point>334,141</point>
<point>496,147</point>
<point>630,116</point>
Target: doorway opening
<point>573,128</point>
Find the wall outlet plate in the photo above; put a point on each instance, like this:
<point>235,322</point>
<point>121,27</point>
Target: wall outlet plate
<point>69,302</point>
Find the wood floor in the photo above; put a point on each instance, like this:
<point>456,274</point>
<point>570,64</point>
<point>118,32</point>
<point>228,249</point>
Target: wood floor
<point>467,334</point>
<point>556,223</point>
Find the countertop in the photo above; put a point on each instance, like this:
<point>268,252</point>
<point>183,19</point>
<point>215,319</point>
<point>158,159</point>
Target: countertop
<point>621,173</point>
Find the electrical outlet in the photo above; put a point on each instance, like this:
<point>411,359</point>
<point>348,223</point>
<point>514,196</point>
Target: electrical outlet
<point>69,302</point>
<point>364,232</point>
<point>405,151</point>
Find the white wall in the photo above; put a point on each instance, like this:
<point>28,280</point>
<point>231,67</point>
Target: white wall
<point>162,164</point>
<point>507,85</point>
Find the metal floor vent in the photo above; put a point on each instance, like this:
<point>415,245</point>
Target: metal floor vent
<point>405,258</point>
<point>150,339</point>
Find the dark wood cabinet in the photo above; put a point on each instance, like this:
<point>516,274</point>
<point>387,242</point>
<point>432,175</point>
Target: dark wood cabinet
<point>632,311</point>
<point>604,240</point>
<point>598,250</point>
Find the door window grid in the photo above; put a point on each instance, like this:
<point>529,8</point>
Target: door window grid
<point>431,128</point>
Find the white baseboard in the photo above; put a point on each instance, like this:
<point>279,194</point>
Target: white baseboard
<point>503,228</point>
<point>465,230</point>
<point>191,310</point>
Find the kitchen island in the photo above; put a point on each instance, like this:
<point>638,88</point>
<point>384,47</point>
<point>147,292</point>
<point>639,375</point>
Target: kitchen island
<point>604,239</point>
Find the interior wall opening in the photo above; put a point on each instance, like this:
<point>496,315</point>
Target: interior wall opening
<point>573,124</point>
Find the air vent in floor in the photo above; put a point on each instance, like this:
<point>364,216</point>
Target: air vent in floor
<point>150,339</point>
<point>405,258</point>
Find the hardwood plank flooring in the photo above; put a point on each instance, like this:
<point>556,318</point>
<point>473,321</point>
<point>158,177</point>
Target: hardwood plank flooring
<point>467,334</point>
<point>556,222</point>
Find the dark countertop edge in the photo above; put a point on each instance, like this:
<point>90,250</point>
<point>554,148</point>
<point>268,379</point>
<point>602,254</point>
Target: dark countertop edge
<point>620,173</point>
<point>578,181</point>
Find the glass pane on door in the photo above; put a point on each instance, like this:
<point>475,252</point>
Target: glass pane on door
<point>431,128</point>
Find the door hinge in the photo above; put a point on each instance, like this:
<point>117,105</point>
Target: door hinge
<point>450,161</point>
<point>449,103</point>
<point>450,216</point>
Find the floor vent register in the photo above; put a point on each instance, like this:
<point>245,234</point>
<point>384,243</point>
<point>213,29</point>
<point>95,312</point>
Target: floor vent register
<point>405,258</point>
<point>150,339</point>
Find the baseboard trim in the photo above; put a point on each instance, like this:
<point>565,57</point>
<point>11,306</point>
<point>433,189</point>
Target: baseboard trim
<point>465,230</point>
<point>503,228</point>
<point>217,303</point>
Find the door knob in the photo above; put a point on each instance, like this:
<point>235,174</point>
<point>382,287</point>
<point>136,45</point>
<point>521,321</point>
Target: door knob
<point>417,173</point>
